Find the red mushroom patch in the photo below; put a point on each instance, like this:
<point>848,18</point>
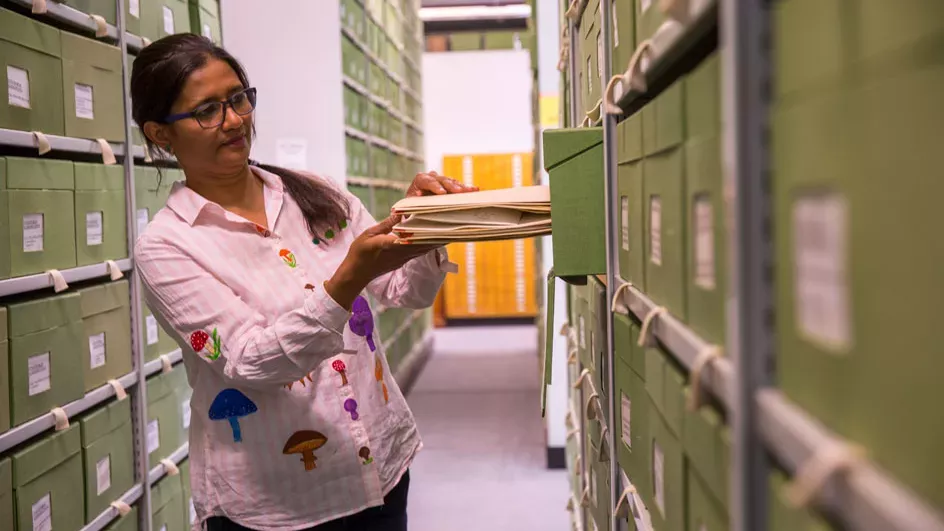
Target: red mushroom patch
<point>199,340</point>
<point>341,368</point>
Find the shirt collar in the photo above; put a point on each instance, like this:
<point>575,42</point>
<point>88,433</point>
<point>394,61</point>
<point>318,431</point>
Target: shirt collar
<point>190,205</point>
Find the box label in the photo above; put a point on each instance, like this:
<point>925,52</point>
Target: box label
<point>704,243</point>
<point>151,324</point>
<point>134,8</point>
<point>33,233</point>
<point>655,230</point>
<point>821,289</point>
<point>185,412</point>
<point>103,474</point>
<point>600,53</point>
<point>626,411</point>
<point>93,228</point>
<point>589,77</point>
<point>624,223</point>
<point>593,486</point>
<point>582,332</point>
<point>168,20</point>
<point>615,26</point>
<point>645,5</point>
<point>42,514</point>
<point>39,374</point>
<point>658,476</point>
<point>153,436</point>
<point>207,32</point>
<point>84,102</point>
<point>97,350</point>
<point>18,87</point>
<point>143,217</point>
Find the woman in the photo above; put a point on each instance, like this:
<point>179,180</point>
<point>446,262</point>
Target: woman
<point>259,273</point>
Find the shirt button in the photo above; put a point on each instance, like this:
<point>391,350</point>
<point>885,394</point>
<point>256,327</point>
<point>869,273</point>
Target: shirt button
<point>346,391</point>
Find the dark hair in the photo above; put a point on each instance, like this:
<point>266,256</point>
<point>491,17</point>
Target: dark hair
<point>157,77</point>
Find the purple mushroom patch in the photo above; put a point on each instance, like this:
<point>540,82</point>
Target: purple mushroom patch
<point>350,405</point>
<point>362,321</point>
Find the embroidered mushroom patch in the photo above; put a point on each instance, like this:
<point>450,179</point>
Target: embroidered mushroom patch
<point>350,405</point>
<point>379,375</point>
<point>362,321</point>
<point>198,342</point>
<point>305,443</point>
<point>231,405</point>
<point>341,369</point>
<point>364,454</point>
<point>288,257</point>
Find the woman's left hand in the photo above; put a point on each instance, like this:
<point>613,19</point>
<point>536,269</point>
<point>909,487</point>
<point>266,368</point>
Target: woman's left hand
<point>434,184</point>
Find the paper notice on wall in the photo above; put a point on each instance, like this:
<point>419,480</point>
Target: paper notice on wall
<point>624,223</point>
<point>185,412</point>
<point>42,514</point>
<point>18,87</point>
<point>151,325</point>
<point>33,233</point>
<point>658,476</point>
<point>134,8</point>
<point>93,228</point>
<point>655,230</point>
<point>39,374</point>
<point>704,243</point>
<point>142,219</point>
<point>84,102</point>
<point>291,153</point>
<point>97,350</point>
<point>626,433</point>
<point>821,290</point>
<point>168,20</point>
<point>153,436</point>
<point>103,475</point>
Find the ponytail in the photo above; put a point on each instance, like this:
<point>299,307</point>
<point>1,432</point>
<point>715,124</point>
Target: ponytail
<point>323,205</point>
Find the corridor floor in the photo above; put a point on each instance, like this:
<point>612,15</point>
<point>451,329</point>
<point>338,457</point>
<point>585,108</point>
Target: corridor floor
<point>483,466</point>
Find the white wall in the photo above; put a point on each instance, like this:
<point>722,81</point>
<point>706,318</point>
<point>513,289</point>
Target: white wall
<point>476,103</point>
<point>292,52</point>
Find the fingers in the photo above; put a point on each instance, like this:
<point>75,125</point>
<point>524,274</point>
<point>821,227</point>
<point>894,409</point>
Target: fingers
<point>384,227</point>
<point>433,183</point>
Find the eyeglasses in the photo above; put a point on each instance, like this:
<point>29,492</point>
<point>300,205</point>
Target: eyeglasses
<point>213,114</point>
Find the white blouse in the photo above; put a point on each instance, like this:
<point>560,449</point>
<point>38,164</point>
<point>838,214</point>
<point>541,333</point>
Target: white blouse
<point>296,419</point>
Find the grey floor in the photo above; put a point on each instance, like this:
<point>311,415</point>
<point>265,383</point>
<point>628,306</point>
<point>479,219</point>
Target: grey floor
<point>483,465</point>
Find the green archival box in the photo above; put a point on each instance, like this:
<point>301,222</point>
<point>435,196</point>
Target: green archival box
<point>107,456</point>
<point>667,488</point>
<point>160,18</point>
<point>4,374</point>
<point>91,83</point>
<point>632,425</point>
<point>182,393</point>
<point>630,136</point>
<point>189,512</point>
<point>703,99</point>
<point>704,447</point>
<point>128,522</point>
<point>781,517</point>
<point>47,482</point>
<point>167,507</point>
<point>7,512</point>
<point>30,53</point>
<point>574,160</point>
<point>624,33</point>
<point>632,221</point>
<point>101,227</point>
<point>162,433</point>
<point>106,317</point>
<point>37,224</point>
<point>663,200</point>
<point>649,18</point>
<point>704,511</point>
<point>205,19</point>
<point>108,9</point>
<point>45,355</point>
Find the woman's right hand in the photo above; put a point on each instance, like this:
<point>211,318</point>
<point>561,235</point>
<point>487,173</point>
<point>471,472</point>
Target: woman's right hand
<point>372,254</point>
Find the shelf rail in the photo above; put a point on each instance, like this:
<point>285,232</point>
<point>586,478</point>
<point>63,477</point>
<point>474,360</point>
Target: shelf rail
<point>41,281</point>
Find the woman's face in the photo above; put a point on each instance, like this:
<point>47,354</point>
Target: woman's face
<point>218,150</point>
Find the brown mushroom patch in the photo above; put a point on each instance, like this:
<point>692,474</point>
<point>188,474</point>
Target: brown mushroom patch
<point>305,443</point>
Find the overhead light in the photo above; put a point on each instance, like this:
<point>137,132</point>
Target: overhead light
<point>449,14</point>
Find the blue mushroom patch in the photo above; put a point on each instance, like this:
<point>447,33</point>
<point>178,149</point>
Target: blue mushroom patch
<point>231,405</point>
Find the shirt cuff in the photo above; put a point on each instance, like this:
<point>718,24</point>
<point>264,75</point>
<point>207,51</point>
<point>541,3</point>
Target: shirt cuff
<point>323,308</point>
<point>442,263</point>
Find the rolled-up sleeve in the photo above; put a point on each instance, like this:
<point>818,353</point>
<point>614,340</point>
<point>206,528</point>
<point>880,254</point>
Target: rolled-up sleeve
<point>231,336</point>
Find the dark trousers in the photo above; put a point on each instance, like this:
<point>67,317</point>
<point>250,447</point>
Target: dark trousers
<point>391,516</point>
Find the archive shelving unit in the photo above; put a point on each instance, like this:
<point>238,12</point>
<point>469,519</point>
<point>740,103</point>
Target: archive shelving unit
<point>404,331</point>
<point>832,482</point>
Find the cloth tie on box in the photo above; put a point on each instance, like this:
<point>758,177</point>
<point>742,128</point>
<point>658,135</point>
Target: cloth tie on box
<point>624,501</point>
<point>705,357</point>
<point>170,467</point>
<point>166,365</point>
<point>645,332</point>
<point>62,419</point>
<point>614,305</point>
<point>58,281</point>
<point>632,76</point>
<point>108,156</point>
<point>114,272</point>
<point>120,392</point>
<point>583,376</point>
<point>101,27</point>
<point>836,457</point>
<point>42,143</point>
<point>123,508</point>
<point>39,7</point>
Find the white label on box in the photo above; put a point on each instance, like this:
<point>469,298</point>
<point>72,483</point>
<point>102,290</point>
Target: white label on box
<point>18,87</point>
<point>582,331</point>
<point>97,350</point>
<point>626,411</point>
<point>33,233</point>
<point>658,476</point>
<point>103,474</point>
<point>143,216</point>
<point>645,5</point>
<point>655,230</point>
<point>600,54</point>
<point>169,21</point>
<point>704,243</point>
<point>589,77</point>
<point>84,102</point>
<point>593,486</point>
<point>93,228</point>
<point>163,528</point>
<point>134,8</point>
<point>39,374</point>
<point>153,436</point>
<point>624,223</point>
<point>193,512</point>
<point>42,514</point>
<point>821,288</point>
<point>207,32</point>
<point>151,325</point>
<point>185,412</point>
<point>615,27</point>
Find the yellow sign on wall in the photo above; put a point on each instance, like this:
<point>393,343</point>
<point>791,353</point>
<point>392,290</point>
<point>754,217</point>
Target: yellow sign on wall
<point>550,110</point>
<point>495,279</point>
